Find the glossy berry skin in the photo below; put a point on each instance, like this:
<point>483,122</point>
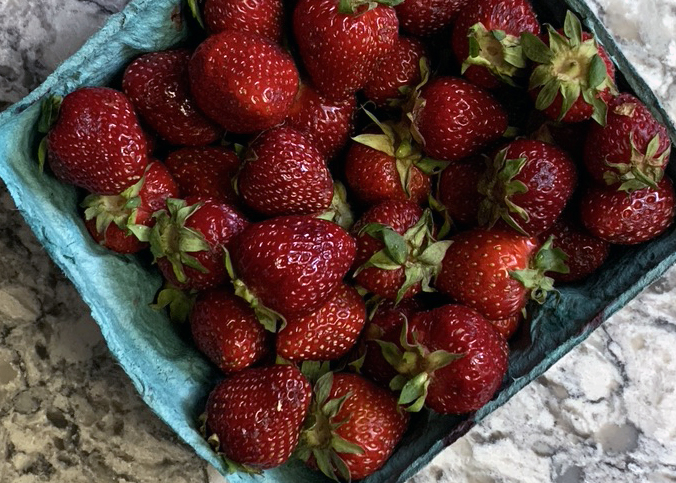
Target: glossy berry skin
<point>628,219</point>
<point>458,189</point>
<point>397,69</point>
<point>507,327</point>
<point>426,17</point>
<point>261,17</point>
<point>97,142</point>
<point>205,171</point>
<point>244,82</point>
<point>226,330</point>
<point>157,84</point>
<point>284,174</point>
<point>326,334</point>
<point>293,263</point>
<point>339,50</point>
<point>458,119</point>
<point>257,414</point>
<point>475,271</point>
<point>469,382</point>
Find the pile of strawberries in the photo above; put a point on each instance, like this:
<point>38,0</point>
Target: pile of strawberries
<point>489,157</point>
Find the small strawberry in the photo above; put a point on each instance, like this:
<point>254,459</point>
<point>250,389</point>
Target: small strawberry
<point>326,334</point>
<point>255,416</point>
<point>527,186</point>
<point>353,427</point>
<point>632,150</point>
<point>97,142</point>
<point>284,174</point>
<point>341,40</point>
<point>244,82</point>
<point>157,84</point>
<point>262,17</point>
<point>628,218</point>
<point>458,190</point>
<point>487,40</point>
<point>426,17</point>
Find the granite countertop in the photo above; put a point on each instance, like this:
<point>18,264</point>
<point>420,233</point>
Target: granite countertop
<point>604,413</point>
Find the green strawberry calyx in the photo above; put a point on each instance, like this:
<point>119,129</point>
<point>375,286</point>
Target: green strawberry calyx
<point>340,211</point>
<point>178,302</point>
<point>644,170</point>
<point>534,278</point>
<point>49,113</point>
<point>215,443</point>
<point>497,51</point>
<point>358,7</point>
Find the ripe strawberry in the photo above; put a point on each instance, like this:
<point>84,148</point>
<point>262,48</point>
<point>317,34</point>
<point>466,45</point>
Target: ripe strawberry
<point>326,334</point>
<point>341,41</point>
<point>327,124</point>
<point>353,427</point>
<point>97,142</point>
<point>486,40</point>
<point>631,150</point>
<point>426,17</point>
<point>628,218</point>
<point>225,329</point>
<point>261,17</point>
<point>527,186</point>
<point>205,171</point>
<point>244,82</point>
<point>157,84</point>
<point>458,189</point>
<point>455,119</point>
<point>284,174</point>
<point>257,415</point>
<point>496,271</point>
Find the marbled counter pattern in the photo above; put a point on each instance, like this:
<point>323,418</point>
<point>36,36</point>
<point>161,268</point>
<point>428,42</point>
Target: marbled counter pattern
<point>68,414</point>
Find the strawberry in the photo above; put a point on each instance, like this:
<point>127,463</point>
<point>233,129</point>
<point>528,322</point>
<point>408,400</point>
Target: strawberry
<point>507,327</point>
<point>205,171</point>
<point>628,218</point>
<point>486,40</point>
<point>256,415</point>
<point>496,271</point>
<point>426,17</point>
<point>225,329</point>
<point>632,150</point>
<point>341,40</point>
<point>458,189</point>
<point>284,174</point>
<point>157,84</point>
<point>327,124</point>
<point>353,427</point>
<point>244,82</point>
<point>108,217</point>
<point>527,186</point>
<point>397,255</point>
<point>454,119</point>
<point>261,17</point>
<point>97,142</point>
<point>573,77</point>
<point>326,334</point>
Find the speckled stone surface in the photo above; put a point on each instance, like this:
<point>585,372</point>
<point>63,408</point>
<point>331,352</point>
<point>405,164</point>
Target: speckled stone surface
<point>68,414</point>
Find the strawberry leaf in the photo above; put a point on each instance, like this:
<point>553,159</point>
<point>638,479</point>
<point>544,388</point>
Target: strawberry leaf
<point>535,49</point>
<point>573,29</point>
<point>597,72</point>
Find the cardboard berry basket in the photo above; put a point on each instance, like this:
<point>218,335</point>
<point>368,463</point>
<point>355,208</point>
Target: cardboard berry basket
<point>170,375</point>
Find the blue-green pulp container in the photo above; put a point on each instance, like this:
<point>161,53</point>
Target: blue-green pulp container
<point>172,378</point>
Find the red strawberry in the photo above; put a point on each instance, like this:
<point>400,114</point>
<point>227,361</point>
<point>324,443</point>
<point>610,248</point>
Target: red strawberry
<point>97,142</point>
<point>426,17</point>
<point>326,334</point>
<point>262,17</point>
<point>628,218</point>
<point>257,414</point>
<point>225,329</point>
<point>244,82</point>
<point>455,119</point>
<point>326,123</point>
<point>633,148</point>
<point>495,271</point>
<point>486,40</point>
<point>205,171</point>
<point>157,84</point>
<point>527,186</point>
<point>340,42</point>
<point>284,174</point>
<point>458,189</point>
<point>108,217</point>
<point>353,427</point>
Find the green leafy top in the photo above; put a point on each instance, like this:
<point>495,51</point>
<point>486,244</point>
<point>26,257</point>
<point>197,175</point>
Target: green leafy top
<point>352,7</point>
<point>643,170</point>
<point>534,278</point>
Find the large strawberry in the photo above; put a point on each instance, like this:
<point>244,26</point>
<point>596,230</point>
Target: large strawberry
<point>262,17</point>
<point>340,41</point>
<point>284,174</point>
<point>632,150</point>
<point>157,84</point>
<point>97,142</point>
<point>244,82</point>
<point>255,416</point>
<point>426,17</point>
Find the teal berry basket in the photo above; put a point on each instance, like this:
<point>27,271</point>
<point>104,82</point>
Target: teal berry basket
<point>172,378</point>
